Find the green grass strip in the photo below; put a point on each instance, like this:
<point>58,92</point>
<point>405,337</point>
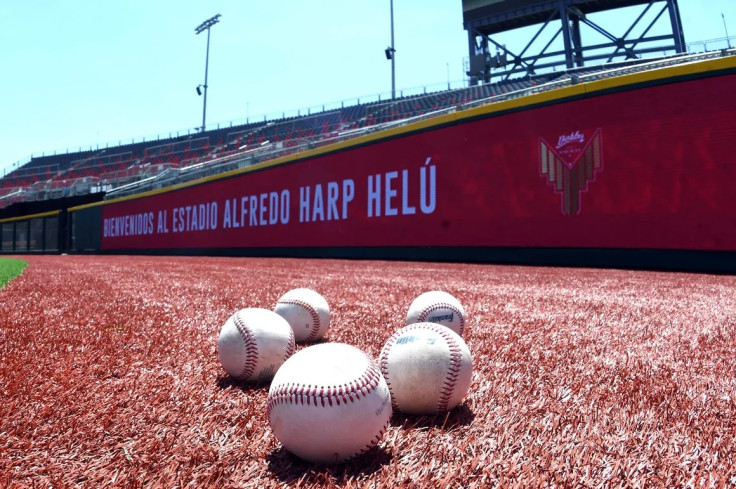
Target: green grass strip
<point>9,269</point>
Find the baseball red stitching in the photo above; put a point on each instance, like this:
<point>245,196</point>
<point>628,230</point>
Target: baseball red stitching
<point>384,364</point>
<point>373,441</point>
<point>453,371</point>
<point>443,305</point>
<point>326,395</point>
<point>329,395</point>
<point>312,312</point>
<point>291,346</point>
<point>251,347</point>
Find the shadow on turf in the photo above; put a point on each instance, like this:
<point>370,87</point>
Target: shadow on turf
<point>461,415</point>
<point>289,468</point>
<point>225,382</point>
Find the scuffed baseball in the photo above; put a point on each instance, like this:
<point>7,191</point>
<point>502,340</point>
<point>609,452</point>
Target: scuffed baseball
<point>427,367</point>
<point>254,343</point>
<point>306,311</point>
<point>437,307</point>
<point>328,403</point>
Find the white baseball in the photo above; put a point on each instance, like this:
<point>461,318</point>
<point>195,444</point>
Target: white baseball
<point>254,343</point>
<point>427,367</point>
<point>306,311</point>
<point>329,403</point>
<point>437,307</point>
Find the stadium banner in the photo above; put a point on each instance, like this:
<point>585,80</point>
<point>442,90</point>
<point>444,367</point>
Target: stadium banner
<point>649,168</point>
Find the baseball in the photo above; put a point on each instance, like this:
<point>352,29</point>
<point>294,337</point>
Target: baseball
<point>306,311</point>
<point>253,344</point>
<point>427,367</point>
<point>437,307</point>
<point>329,403</point>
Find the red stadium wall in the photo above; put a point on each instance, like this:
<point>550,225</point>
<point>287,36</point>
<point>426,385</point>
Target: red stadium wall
<point>649,168</point>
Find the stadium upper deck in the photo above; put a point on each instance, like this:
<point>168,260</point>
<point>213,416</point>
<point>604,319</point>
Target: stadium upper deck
<point>129,169</point>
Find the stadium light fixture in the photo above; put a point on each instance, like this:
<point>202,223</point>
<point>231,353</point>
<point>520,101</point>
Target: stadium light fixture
<point>391,55</point>
<point>205,26</point>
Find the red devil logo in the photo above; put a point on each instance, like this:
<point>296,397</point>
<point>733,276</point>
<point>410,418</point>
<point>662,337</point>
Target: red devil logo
<point>570,164</point>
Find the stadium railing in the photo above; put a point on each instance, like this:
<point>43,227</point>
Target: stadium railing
<point>272,139</point>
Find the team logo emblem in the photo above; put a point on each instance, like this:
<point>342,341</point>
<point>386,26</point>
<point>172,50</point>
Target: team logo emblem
<point>570,164</point>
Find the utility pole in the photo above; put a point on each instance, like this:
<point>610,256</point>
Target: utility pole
<point>205,26</point>
<point>391,54</point>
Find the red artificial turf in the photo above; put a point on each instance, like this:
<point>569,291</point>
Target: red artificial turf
<point>109,376</point>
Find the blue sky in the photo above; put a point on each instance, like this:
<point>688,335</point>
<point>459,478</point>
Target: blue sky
<point>82,73</point>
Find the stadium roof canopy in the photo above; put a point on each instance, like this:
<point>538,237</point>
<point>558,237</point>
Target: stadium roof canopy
<point>491,17</point>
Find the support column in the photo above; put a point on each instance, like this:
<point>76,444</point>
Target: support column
<point>577,42</point>
<point>677,33</point>
<point>566,35</point>
<point>486,62</point>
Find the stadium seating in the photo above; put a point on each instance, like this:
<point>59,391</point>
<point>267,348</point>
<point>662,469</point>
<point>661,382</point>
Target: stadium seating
<point>130,162</point>
<point>127,162</point>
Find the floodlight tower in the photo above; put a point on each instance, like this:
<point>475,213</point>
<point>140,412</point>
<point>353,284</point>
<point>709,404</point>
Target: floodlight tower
<point>205,26</point>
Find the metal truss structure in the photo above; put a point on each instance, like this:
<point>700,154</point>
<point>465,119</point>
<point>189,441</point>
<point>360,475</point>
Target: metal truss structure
<point>484,20</point>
